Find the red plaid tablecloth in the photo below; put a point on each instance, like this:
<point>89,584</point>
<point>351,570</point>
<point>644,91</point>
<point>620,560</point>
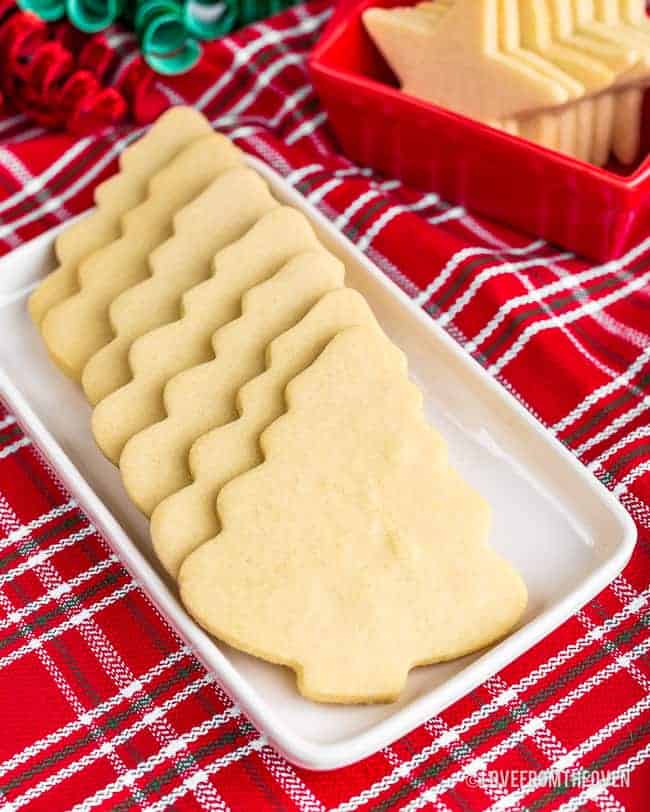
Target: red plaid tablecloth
<point>101,705</point>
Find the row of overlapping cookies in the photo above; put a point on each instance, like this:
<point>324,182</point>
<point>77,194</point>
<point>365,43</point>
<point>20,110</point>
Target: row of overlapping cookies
<point>194,309</point>
<point>567,74</point>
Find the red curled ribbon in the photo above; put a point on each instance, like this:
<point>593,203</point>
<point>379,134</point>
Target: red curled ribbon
<point>66,80</point>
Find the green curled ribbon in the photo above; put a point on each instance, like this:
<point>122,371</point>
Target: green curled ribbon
<point>48,10</point>
<point>166,44</point>
<point>251,11</point>
<point>170,31</point>
<point>209,20</point>
<point>91,16</point>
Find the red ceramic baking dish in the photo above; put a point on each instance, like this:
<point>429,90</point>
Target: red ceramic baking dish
<point>598,213</point>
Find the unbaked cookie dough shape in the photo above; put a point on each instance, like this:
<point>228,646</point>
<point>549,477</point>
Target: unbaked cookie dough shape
<point>154,463</point>
<point>221,214</point>
<point>188,517</point>
<point>157,356</point>
<point>173,131</point>
<point>433,58</point>
<point>79,326</point>
<point>354,552</point>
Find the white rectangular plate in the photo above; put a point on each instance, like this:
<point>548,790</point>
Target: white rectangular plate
<point>564,532</point>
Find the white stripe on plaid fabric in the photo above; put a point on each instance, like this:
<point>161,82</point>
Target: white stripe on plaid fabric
<point>61,682</point>
<point>586,309</point>
<point>569,760</point>
<point>624,591</point>
<point>7,421</point>
<point>262,124</point>
<point>521,734</point>
<point>11,449</point>
<point>9,518</point>
<point>116,669</point>
<point>390,214</point>
<point>481,231</point>
<point>454,213</point>
<point>637,508</point>
<point>167,802</point>
<point>296,175</point>
<point>170,750</point>
<point>483,713</point>
<point>242,55</point>
<point>536,295</point>
<point>15,166</point>
<point>545,740</point>
<point>460,752</point>
<point>262,80</point>
<point>288,779</point>
<point>25,530</point>
<point>8,123</point>
<point>460,256</point>
<point>638,434</point>
<point>53,203</point>
<point>624,331</point>
<point>73,622</point>
<point>357,204</point>
<point>307,128</point>
<point>604,321</point>
<point>322,191</point>
<point>485,275</point>
<point>38,183</point>
<point>631,477</point>
<point>57,592</point>
<point>602,392</point>
<point>614,427</point>
<point>44,555</point>
<point>86,717</point>
<point>289,105</point>
<point>591,793</point>
<point>155,760</point>
<point>26,135</point>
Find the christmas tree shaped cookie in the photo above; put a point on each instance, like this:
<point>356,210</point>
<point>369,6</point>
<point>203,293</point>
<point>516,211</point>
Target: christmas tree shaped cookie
<point>154,463</point>
<point>188,517</point>
<point>217,217</point>
<point>354,552</point>
<point>173,131</point>
<point>77,327</point>
<point>159,355</point>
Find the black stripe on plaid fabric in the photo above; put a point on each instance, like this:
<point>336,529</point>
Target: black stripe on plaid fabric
<point>503,723</point>
<point>111,725</point>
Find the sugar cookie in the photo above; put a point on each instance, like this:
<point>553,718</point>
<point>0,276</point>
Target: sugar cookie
<point>619,56</point>
<point>354,552</point>
<point>156,357</point>
<point>76,328</point>
<point>221,214</point>
<point>173,131</point>
<point>434,58</point>
<point>188,517</point>
<point>154,463</point>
